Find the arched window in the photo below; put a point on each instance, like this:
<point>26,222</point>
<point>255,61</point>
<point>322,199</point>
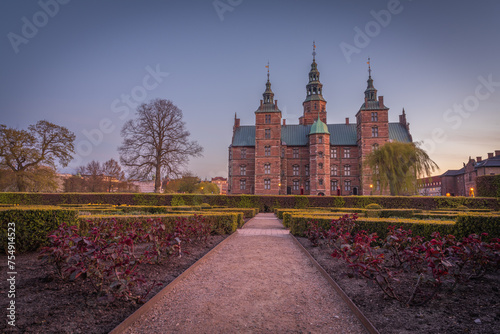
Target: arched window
<point>374,147</point>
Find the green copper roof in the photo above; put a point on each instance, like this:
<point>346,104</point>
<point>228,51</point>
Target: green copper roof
<point>318,127</point>
<point>297,135</point>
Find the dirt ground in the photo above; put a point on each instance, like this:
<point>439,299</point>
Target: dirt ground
<point>46,304</point>
<point>471,308</point>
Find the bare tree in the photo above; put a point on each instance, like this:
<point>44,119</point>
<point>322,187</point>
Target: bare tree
<point>157,142</point>
<point>23,151</point>
<point>113,172</point>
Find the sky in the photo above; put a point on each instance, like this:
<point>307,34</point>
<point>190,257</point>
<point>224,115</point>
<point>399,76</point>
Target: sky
<point>86,65</point>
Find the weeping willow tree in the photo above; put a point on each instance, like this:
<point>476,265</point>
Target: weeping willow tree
<point>398,166</point>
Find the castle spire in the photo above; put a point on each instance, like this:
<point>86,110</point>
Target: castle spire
<point>268,94</point>
<point>370,92</point>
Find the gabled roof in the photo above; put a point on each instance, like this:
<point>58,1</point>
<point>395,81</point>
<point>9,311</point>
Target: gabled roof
<point>454,172</point>
<point>297,135</point>
<point>491,162</point>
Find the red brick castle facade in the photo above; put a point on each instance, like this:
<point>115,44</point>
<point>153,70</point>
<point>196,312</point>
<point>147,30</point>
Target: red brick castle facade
<point>310,158</point>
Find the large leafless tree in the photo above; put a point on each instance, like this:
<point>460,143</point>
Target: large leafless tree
<point>157,142</point>
<point>25,151</point>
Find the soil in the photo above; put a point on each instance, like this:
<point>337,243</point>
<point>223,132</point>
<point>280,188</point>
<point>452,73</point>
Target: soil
<point>47,304</point>
<point>471,308</point>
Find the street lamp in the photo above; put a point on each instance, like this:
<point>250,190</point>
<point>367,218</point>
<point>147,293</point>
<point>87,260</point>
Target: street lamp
<point>371,189</point>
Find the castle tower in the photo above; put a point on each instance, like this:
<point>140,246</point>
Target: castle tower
<point>314,105</point>
<point>267,143</point>
<point>372,122</point>
<point>319,158</point>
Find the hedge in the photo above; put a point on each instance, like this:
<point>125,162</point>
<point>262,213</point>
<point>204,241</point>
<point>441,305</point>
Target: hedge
<point>32,226</point>
<point>488,185</point>
<point>222,223</point>
<point>264,203</point>
<point>298,225</point>
<point>462,227</point>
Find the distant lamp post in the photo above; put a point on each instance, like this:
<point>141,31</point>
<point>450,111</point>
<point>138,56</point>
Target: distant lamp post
<point>279,188</point>
<point>448,194</point>
<point>471,192</point>
<point>371,189</point>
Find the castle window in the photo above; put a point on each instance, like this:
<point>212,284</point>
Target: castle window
<point>320,154</point>
<point>375,131</point>
<point>282,152</point>
<point>347,170</point>
<point>243,153</point>
<point>243,170</point>
<point>268,119</point>
<point>374,147</point>
<point>267,169</point>
<point>295,184</point>
<point>378,184</point>
<point>267,151</point>
<point>295,170</point>
<point>243,184</point>
<point>374,117</point>
<point>347,152</point>
<point>307,185</point>
<point>347,185</point>
<point>307,170</point>
<point>230,154</point>
<point>333,153</point>
<point>333,185</point>
<point>320,165</point>
<point>320,182</point>
<point>295,153</point>
<point>320,140</point>
<point>267,184</point>
<point>323,108</point>
<point>315,105</point>
<point>267,133</point>
<point>333,170</point>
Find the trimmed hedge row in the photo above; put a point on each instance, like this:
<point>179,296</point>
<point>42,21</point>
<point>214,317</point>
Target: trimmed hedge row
<point>264,203</point>
<point>222,223</point>
<point>32,226</point>
<point>464,226</point>
<point>488,185</point>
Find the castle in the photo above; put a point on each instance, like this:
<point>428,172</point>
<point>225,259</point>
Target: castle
<point>312,157</point>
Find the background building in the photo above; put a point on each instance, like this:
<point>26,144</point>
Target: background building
<point>429,186</point>
<point>221,182</point>
<point>459,182</point>
<point>312,157</point>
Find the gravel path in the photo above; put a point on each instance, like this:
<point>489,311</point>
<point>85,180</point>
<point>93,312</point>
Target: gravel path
<point>258,282</point>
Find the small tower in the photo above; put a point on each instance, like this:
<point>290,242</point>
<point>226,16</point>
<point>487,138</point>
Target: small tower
<point>319,158</point>
<point>267,143</point>
<point>372,121</point>
<point>314,105</point>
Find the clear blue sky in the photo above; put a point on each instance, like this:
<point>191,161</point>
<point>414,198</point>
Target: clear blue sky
<point>433,58</point>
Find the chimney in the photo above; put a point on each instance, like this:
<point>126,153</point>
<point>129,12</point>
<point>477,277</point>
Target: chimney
<point>347,120</point>
<point>479,159</point>
<point>490,155</point>
<point>284,122</point>
<point>381,101</point>
<point>276,103</point>
<point>261,102</point>
<point>497,153</point>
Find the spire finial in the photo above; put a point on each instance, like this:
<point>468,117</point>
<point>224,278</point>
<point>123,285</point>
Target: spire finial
<point>314,50</point>
<point>267,66</point>
<point>369,68</point>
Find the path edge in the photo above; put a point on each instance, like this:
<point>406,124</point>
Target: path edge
<point>357,312</point>
<point>125,324</point>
